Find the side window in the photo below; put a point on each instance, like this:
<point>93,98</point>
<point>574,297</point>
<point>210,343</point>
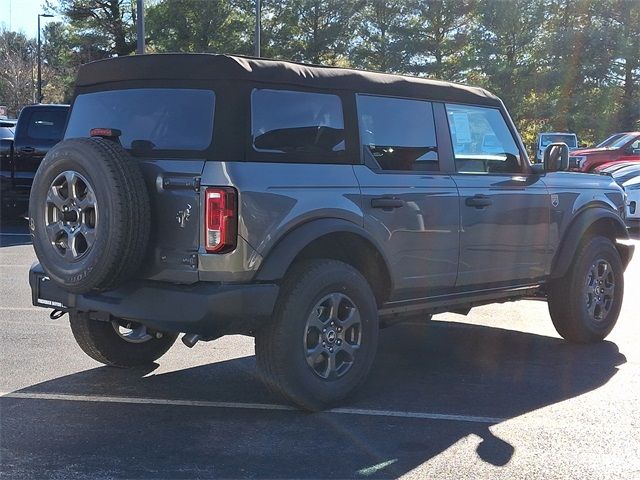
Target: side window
<point>47,124</point>
<point>482,142</point>
<point>398,133</point>
<point>284,121</point>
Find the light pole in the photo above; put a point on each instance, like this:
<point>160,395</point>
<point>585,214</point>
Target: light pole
<point>140,26</point>
<point>257,36</point>
<point>45,15</point>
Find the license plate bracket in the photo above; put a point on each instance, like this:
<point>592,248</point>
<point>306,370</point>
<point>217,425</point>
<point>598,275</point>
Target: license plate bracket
<point>48,294</point>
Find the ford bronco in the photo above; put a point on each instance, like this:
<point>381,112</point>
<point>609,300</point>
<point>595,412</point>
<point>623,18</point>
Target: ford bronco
<point>307,207</point>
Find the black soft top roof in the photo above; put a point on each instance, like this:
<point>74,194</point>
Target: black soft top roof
<point>182,66</point>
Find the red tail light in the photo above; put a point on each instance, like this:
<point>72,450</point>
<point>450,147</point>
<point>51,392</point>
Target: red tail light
<point>220,219</point>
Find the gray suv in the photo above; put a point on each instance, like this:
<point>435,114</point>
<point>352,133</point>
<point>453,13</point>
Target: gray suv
<point>307,207</point>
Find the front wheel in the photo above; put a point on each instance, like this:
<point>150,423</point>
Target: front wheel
<point>585,303</point>
<point>119,343</point>
<point>322,340</point>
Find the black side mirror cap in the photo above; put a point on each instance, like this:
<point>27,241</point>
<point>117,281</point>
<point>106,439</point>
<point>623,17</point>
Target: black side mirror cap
<point>538,169</point>
<point>556,157</point>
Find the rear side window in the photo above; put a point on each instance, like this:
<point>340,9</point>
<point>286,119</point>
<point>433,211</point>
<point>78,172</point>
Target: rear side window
<point>150,119</point>
<point>398,133</point>
<point>482,142</point>
<point>284,121</point>
<point>47,124</point>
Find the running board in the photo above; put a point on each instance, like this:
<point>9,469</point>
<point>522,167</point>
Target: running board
<point>458,301</point>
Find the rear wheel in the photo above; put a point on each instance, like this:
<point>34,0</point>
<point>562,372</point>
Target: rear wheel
<point>322,340</point>
<point>585,303</point>
<point>119,343</point>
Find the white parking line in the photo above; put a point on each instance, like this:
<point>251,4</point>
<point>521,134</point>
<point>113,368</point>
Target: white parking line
<point>246,406</point>
<point>25,309</point>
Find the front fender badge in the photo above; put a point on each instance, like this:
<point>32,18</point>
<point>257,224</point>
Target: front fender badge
<point>555,201</point>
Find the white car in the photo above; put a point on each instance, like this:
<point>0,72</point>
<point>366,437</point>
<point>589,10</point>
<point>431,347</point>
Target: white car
<point>627,175</point>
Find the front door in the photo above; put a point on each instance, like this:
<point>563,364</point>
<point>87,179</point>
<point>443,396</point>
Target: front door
<point>504,208</point>
<point>409,205</point>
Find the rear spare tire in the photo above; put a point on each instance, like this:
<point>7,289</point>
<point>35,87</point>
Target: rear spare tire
<point>89,214</point>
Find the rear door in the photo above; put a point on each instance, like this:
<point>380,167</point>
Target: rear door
<point>504,208</point>
<point>409,205</point>
<point>169,132</point>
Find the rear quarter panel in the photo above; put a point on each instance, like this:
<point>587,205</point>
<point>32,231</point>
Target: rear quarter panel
<point>274,199</point>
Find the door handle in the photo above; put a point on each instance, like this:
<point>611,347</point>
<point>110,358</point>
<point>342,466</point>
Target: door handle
<point>386,203</point>
<point>27,149</point>
<point>478,201</point>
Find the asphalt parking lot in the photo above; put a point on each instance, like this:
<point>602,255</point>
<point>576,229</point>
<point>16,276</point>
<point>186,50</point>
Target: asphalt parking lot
<point>496,394</point>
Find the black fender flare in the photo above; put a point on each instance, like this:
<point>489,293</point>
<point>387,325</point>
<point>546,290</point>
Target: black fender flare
<point>576,231</point>
<point>281,256</point>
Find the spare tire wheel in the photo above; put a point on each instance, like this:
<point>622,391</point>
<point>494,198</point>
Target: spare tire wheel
<point>89,214</point>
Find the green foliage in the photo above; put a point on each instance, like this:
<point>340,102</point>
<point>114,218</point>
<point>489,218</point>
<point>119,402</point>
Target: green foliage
<point>198,26</point>
<point>316,31</point>
<point>558,64</point>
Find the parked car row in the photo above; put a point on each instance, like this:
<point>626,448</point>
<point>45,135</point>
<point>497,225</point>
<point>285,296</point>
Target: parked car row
<point>621,147</point>
<point>23,145</point>
<point>627,175</point>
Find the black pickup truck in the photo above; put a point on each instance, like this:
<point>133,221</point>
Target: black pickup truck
<point>39,128</point>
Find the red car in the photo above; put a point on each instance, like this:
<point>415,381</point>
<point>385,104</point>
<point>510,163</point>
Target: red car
<point>619,147</point>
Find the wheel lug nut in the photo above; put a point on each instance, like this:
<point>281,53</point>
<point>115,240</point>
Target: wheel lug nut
<point>331,349</point>
<point>324,344</point>
<point>324,330</point>
<point>339,329</point>
<point>339,342</point>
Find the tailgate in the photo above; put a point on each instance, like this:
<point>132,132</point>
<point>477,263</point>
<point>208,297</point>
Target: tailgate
<point>175,219</point>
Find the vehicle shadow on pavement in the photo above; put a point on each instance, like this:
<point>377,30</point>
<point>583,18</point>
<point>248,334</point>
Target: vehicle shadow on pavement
<point>444,368</point>
<point>14,232</point>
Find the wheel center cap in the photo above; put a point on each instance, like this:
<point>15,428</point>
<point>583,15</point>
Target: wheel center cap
<point>71,216</point>
<point>331,336</point>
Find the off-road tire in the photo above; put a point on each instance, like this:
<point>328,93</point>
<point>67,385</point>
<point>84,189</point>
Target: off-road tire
<point>100,341</point>
<point>123,214</point>
<point>280,349</point>
<point>568,301</point>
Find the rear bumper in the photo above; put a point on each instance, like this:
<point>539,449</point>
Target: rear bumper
<point>206,308</point>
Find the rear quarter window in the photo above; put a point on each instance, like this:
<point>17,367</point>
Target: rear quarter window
<point>295,124</point>
<point>149,119</point>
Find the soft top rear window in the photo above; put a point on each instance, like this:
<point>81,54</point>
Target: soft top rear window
<point>149,119</point>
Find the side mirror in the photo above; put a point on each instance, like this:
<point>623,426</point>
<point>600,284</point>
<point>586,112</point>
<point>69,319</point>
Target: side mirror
<point>556,157</point>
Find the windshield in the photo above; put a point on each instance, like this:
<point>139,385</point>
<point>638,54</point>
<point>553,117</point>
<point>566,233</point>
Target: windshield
<point>150,118</point>
<point>569,139</point>
<point>622,141</point>
<point>609,140</point>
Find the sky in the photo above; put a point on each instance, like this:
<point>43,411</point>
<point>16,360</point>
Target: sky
<point>21,16</point>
